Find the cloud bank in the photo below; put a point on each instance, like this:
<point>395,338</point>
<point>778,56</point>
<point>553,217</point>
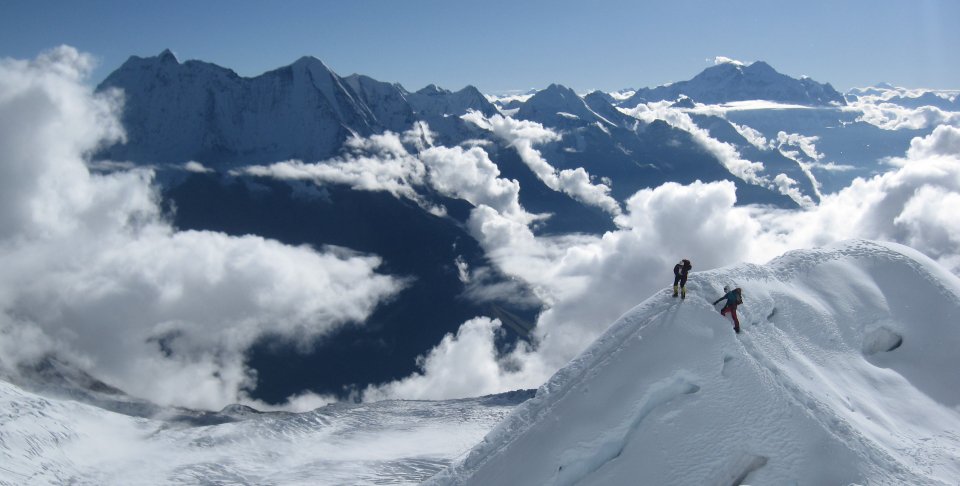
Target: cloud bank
<point>383,163</point>
<point>523,135</point>
<point>728,155</point>
<point>890,116</point>
<point>93,272</point>
<point>590,281</point>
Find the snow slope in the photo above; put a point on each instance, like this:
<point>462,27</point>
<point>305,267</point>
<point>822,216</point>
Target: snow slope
<point>54,441</point>
<point>845,373</point>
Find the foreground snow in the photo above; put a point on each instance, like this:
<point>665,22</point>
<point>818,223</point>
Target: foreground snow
<point>845,373</point>
<point>51,441</point>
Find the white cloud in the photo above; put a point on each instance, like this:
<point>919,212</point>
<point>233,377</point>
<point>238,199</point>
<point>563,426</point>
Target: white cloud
<point>197,167</point>
<point>577,182</point>
<point>377,163</point>
<point>943,142</point>
<point>523,135</point>
<point>753,136</point>
<point>884,108</point>
<point>588,281</point>
<point>419,136</point>
<point>746,105</point>
<point>462,365</point>
<point>92,271</point>
<point>383,163</point>
<point>806,144</point>
<point>622,94</point>
<point>810,158</point>
<point>471,175</point>
<point>727,154</point>
<point>726,60</point>
<point>890,116</point>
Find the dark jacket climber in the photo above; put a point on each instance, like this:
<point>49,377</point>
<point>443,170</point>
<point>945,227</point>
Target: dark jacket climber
<point>680,272</point>
<point>734,298</point>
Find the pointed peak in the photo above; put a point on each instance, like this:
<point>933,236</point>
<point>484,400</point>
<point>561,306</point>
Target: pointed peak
<point>598,94</point>
<point>761,67</point>
<point>433,90</point>
<point>470,89</point>
<point>168,56</point>
<point>557,87</point>
<point>310,62</point>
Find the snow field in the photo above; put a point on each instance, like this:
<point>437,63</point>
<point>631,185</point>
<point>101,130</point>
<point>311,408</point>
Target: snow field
<point>52,441</point>
<point>844,374</point>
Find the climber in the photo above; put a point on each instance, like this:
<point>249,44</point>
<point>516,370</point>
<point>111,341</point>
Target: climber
<point>680,272</point>
<point>734,298</point>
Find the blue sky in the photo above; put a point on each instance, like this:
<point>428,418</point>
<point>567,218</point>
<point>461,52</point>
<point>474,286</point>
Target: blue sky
<point>501,45</point>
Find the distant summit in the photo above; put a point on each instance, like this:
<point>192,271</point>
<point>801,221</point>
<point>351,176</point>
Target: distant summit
<point>557,104</point>
<point>734,81</point>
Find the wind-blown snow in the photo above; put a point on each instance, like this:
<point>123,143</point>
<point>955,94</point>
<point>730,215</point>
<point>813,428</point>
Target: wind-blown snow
<point>844,374</point>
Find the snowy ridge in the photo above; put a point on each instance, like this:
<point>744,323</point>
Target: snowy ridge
<point>844,373</point>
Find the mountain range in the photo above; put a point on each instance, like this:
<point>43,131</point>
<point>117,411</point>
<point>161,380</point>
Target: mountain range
<point>219,279</point>
<point>179,112</point>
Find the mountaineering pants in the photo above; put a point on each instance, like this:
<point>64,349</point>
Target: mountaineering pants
<point>732,309</point>
<point>680,279</point>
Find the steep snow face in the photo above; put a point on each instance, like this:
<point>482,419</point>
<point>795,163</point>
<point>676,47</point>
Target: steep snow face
<point>845,372</point>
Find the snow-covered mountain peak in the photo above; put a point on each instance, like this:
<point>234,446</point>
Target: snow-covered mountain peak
<point>734,81</point>
<point>433,90</point>
<point>557,105</point>
<point>761,68</point>
<point>311,63</point>
<point>844,374</point>
<point>168,56</point>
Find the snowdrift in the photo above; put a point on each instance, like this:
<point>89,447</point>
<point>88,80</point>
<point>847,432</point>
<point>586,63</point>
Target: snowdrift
<point>56,441</point>
<point>845,373</point>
